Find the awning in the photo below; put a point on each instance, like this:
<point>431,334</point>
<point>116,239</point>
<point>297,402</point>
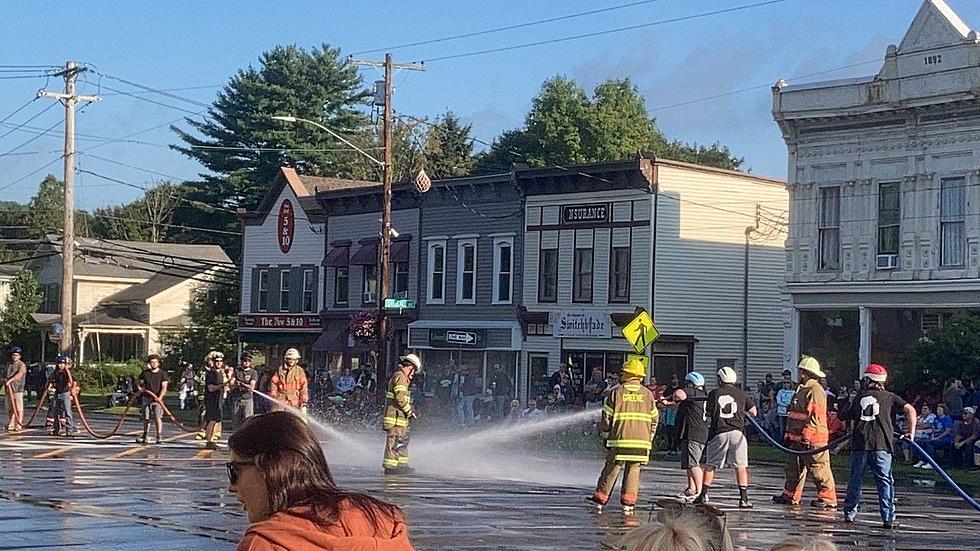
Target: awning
<point>338,257</point>
<point>367,255</point>
<point>336,341</point>
<point>399,251</point>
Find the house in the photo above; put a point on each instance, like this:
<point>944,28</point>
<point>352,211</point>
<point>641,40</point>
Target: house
<point>884,180</point>
<point>7,274</point>
<point>127,294</point>
<point>282,284</point>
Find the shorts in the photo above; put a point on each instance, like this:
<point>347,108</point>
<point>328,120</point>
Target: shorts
<point>15,400</point>
<point>691,453</point>
<point>212,411</point>
<point>152,410</point>
<point>728,449</point>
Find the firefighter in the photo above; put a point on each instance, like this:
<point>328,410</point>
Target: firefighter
<point>288,383</point>
<point>629,423</point>
<point>398,413</point>
<point>806,429</point>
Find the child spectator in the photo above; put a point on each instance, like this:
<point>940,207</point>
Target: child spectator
<point>783,399</point>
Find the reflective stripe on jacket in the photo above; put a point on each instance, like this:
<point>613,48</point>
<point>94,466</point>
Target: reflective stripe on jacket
<point>398,401</point>
<point>290,386</point>
<point>629,421</point>
<point>807,415</point>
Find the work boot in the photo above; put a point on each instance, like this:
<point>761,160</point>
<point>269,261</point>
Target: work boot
<point>783,500</point>
<point>210,446</point>
<point>629,509</point>
<point>591,500</point>
<point>744,503</point>
<point>821,504</point>
<point>889,525</point>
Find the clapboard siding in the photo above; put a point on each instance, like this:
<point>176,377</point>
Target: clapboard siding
<point>702,217</point>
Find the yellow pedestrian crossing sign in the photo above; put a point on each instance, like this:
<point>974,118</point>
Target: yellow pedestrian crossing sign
<point>641,332</point>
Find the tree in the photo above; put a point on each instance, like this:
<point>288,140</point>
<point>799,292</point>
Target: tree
<point>46,209</point>
<point>244,148</point>
<point>146,219</point>
<point>565,126</point>
<point>448,148</point>
<point>24,299</point>
<point>948,352</point>
<point>213,322</point>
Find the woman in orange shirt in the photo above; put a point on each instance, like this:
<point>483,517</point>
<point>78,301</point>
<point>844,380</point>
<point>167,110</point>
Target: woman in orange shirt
<point>280,476</point>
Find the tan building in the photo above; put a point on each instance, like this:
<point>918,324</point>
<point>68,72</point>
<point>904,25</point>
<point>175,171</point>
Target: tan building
<point>127,294</point>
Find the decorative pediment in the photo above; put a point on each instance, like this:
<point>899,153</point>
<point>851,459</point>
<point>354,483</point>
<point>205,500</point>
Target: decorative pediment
<point>935,25</point>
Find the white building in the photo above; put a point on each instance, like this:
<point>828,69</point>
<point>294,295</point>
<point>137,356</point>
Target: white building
<point>605,239</point>
<point>282,283</point>
<point>884,180</point>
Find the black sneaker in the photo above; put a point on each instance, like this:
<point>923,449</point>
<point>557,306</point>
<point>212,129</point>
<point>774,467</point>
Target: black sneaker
<point>848,520</point>
<point>157,441</point>
<point>821,504</point>
<point>889,525</point>
<point>701,499</point>
<point>744,504</point>
<point>141,440</point>
<point>783,500</point>
<point>210,446</point>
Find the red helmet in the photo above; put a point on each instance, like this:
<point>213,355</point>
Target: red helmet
<point>876,373</point>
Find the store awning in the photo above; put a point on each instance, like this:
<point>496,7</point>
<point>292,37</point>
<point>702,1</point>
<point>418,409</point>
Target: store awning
<point>338,257</point>
<point>367,255</point>
<point>336,340</point>
<point>399,251</point>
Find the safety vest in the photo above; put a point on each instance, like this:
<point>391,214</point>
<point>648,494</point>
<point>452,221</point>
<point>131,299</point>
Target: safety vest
<point>807,416</point>
<point>398,401</point>
<point>629,421</point>
<point>290,386</point>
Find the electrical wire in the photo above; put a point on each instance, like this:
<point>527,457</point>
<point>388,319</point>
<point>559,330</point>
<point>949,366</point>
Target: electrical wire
<point>148,100</point>
<point>23,124</point>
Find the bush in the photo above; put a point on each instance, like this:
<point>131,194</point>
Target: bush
<point>101,378</point>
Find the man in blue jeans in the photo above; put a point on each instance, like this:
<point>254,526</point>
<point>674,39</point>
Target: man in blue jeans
<point>62,382</point>
<point>872,443</point>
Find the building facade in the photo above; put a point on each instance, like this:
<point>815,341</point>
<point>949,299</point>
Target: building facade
<point>884,179</point>
<point>282,285</point>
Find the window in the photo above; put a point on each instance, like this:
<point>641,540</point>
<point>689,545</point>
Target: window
<point>466,271</point>
<point>829,228</point>
<point>401,277</point>
<point>889,217</point>
<point>369,285</point>
<point>308,290</point>
<point>582,278</point>
<point>284,290</point>
<point>503,270</point>
<point>952,222</point>
<point>263,286</point>
<point>548,276</point>
<point>52,299</point>
<point>619,275</point>
<point>341,286</point>
<point>437,273</point>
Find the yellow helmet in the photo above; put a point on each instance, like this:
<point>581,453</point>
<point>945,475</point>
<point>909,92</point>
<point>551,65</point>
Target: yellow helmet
<point>634,368</point>
<point>291,354</point>
<point>812,366</point>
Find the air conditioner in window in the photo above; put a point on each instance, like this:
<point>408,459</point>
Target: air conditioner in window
<point>367,298</point>
<point>886,261</point>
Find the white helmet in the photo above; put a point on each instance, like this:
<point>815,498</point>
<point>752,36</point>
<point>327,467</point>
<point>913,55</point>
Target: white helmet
<point>412,359</point>
<point>727,375</point>
<point>291,354</point>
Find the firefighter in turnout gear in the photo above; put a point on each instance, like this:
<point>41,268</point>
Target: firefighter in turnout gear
<point>806,429</point>
<point>629,423</point>
<point>398,413</point>
<point>288,384</point>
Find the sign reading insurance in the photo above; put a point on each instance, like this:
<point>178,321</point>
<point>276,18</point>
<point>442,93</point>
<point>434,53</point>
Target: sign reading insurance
<point>286,225</point>
<point>585,214</point>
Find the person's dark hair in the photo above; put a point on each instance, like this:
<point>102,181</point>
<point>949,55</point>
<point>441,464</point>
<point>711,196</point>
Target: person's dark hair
<point>295,470</point>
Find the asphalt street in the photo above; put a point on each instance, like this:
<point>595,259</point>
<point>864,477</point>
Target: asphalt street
<point>113,494</point>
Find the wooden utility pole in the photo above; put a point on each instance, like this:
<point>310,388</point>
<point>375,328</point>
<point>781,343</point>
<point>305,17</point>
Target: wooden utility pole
<point>384,254</point>
<point>70,99</point>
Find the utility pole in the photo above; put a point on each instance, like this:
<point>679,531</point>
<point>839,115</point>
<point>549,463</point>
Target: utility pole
<point>70,99</point>
<point>384,253</point>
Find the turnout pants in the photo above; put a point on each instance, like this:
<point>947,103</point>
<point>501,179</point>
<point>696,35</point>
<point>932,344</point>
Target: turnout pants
<point>396,449</point>
<point>818,466</point>
<point>607,480</point>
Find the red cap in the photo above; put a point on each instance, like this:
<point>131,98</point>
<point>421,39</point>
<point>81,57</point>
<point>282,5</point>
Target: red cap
<point>876,373</point>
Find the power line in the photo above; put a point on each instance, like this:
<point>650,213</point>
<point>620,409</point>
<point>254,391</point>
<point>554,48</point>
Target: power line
<point>23,124</point>
<point>28,175</point>
<point>148,100</point>
<point>150,90</point>
<point>505,28</point>
<point>18,110</point>
<point>181,89</point>
<point>603,32</point>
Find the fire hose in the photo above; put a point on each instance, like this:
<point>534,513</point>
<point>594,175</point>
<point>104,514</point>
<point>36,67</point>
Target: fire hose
<point>910,443</point>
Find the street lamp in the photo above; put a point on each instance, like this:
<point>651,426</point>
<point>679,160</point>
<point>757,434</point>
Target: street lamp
<point>385,249</point>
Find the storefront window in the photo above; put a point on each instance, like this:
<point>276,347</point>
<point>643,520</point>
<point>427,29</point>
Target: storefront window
<point>537,374</point>
<point>506,361</point>
<point>833,337</point>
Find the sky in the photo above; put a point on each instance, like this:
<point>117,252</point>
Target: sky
<point>687,70</point>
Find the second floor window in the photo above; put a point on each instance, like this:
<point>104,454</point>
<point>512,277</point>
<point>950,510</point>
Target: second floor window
<point>437,273</point>
<point>52,299</point>
<point>582,278</point>
<point>503,270</point>
<point>341,286</point>
<point>284,290</point>
<point>401,277</point>
<point>548,275</point>
<point>308,283</point>
<point>619,275</point>
<point>828,229</point>
<point>952,222</point>
<point>369,285</point>
<point>889,217</point>
<point>466,272</point>
<point>263,291</point>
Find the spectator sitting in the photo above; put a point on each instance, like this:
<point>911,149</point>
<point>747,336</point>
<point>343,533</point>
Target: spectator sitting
<point>595,388</point>
<point>514,415</point>
<point>965,433</point>
<point>939,438</point>
<point>531,412</point>
<point>926,421</point>
<point>834,425</point>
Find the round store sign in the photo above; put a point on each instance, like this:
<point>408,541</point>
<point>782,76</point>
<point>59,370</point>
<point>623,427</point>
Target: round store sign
<point>286,226</point>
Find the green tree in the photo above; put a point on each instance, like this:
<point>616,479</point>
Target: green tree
<point>558,123</point>
<point>146,219</point>
<point>243,147</point>
<point>24,299</point>
<point>213,321</point>
<point>948,352</point>
<point>448,148</point>
<point>46,209</point>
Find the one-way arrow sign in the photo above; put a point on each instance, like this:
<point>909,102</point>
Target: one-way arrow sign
<point>460,337</point>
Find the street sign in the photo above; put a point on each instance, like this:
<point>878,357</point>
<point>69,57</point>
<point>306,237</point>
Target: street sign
<point>457,338</point>
<point>643,359</point>
<point>399,304</point>
<point>641,332</point>
<point>461,337</point>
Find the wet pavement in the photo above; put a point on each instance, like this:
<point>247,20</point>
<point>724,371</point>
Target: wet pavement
<point>112,494</point>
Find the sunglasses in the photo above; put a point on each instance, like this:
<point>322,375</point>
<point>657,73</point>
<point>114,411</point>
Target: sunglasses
<point>233,467</point>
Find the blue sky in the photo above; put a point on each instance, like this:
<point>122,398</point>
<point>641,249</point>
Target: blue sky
<point>201,44</point>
